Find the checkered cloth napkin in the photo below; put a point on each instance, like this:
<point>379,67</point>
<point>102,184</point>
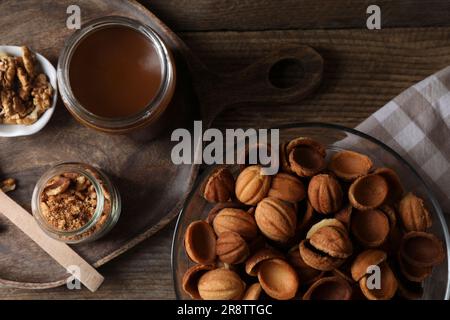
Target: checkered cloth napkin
<point>416,124</point>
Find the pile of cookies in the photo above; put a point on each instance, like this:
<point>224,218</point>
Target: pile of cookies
<point>322,228</point>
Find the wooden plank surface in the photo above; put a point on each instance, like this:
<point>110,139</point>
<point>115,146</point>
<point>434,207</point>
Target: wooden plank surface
<point>205,15</point>
<point>364,70</point>
<point>142,273</point>
<point>152,187</point>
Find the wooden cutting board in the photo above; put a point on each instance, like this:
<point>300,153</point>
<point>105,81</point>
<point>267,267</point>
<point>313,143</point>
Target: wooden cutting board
<point>153,189</point>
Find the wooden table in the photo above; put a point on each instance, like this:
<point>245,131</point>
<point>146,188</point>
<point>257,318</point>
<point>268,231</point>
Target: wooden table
<point>364,69</point>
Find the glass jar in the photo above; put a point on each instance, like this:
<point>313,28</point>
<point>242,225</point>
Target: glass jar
<point>89,195</point>
<point>151,113</point>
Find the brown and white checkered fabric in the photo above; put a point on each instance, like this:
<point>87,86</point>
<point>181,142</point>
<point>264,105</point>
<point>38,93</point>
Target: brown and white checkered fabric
<point>416,124</point>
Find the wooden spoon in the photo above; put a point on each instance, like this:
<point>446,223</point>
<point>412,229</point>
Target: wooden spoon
<point>59,251</point>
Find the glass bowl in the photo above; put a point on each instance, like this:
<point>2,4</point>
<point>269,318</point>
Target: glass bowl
<point>336,138</point>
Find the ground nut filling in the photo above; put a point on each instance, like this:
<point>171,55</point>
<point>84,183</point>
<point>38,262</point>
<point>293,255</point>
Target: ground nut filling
<point>69,201</point>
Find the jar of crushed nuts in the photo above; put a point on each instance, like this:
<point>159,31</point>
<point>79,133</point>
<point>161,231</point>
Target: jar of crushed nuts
<point>75,202</point>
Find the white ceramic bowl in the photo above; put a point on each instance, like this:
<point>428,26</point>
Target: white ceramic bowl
<point>17,130</point>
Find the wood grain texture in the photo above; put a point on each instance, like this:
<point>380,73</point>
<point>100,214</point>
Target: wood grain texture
<point>363,71</point>
<point>59,251</point>
<point>152,187</point>
<point>253,85</point>
<point>142,273</point>
<point>207,15</point>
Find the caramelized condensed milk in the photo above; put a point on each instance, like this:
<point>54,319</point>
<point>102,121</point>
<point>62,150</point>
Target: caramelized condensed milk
<point>116,75</point>
<point>115,72</point>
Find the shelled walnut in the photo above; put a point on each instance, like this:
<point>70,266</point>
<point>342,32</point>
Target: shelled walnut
<point>25,94</point>
<point>318,227</point>
<point>8,185</point>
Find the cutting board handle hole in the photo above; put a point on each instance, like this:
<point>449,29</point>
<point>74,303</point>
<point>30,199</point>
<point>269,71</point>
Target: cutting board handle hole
<point>286,73</point>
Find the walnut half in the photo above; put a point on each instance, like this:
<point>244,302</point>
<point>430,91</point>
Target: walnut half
<point>29,61</point>
<point>8,185</point>
<point>25,94</point>
<point>42,93</point>
<point>7,72</point>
